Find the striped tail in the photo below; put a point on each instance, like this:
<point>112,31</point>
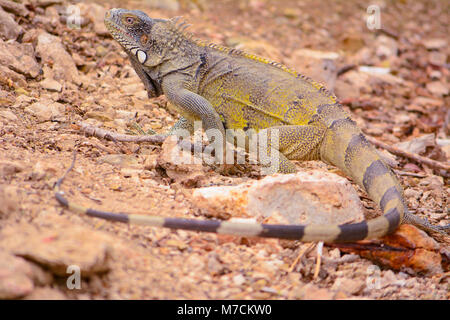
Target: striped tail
<point>345,147</point>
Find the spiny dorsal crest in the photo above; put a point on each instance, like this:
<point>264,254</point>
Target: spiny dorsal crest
<point>180,25</point>
<point>241,53</point>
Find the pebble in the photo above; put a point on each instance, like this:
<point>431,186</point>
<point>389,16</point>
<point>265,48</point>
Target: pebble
<point>51,85</point>
<point>9,28</point>
<point>350,286</point>
<point>52,52</point>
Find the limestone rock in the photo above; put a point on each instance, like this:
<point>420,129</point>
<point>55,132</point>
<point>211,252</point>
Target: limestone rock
<point>20,58</point>
<point>313,292</point>
<point>438,88</point>
<point>96,14</point>
<point>351,286</point>
<point>46,293</point>
<point>9,28</point>
<point>52,52</point>
<point>8,115</point>
<point>46,3</point>
<point>9,77</point>
<point>172,5</point>
<point>180,165</point>
<point>14,7</point>
<point>302,198</point>
<point>10,199</point>
<point>51,85</point>
<point>56,249</point>
<point>18,276</point>
<point>46,110</point>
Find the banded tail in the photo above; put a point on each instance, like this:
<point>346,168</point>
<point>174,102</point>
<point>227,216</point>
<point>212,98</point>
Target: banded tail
<point>345,147</point>
<point>359,161</point>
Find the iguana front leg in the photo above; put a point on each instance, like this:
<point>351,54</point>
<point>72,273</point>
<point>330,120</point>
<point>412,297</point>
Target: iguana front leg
<point>197,107</point>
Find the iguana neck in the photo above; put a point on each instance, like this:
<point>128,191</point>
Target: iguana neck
<point>176,50</point>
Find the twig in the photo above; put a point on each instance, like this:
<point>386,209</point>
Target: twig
<point>411,174</point>
<point>318,259</point>
<point>157,139</point>
<point>302,252</point>
<point>413,156</point>
<point>109,135</point>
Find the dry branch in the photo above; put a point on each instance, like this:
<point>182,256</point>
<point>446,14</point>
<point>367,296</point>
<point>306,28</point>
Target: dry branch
<point>413,156</point>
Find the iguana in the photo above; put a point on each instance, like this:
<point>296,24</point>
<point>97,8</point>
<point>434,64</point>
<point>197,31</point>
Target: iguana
<point>229,89</point>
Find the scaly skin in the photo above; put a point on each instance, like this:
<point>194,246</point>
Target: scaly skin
<point>229,89</point>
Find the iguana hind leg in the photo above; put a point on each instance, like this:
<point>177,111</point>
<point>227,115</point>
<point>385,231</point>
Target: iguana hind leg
<point>288,142</point>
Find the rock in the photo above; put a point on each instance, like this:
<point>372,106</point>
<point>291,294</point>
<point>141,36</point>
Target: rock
<point>172,5</point>
<point>10,200</point>
<point>132,88</point>
<point>380,75</point>
<point>180,165</point>
<point>418,145</point>
<point>120,160</point>
<point>302,198</point>
<point>259,47</point>
<point>419,253</point>
<point>45,110</point>
<point>45,293</point>
<point>437,88</point>
<point>412,193</point>
<point>239,279</point>
<point>425,102</point>
<point>8,115</point>
<point>356,82</point>
<point>52,52</point>
<point>352,43</point>
<point>20,58</point>
<point>9,168</point>
<point>437,58</point>
<point>6,98</point>
<point>52,247</point>
<point>11,78</point>
<point>96,14</point>
<point>15,8</point>
<point>15,276</point>
<point>42,170</point>
<point>446,150</point>
<point>51,85</point>
<point>350,286</point>
<point>9,28</point>
<point>318,65</point>
<point>46,3</point>
<point>352,84</point>
<point>22,101</point>
<point>313,292</point>
<point>434,43</point>
<point>386,47</point>
<point>291,13</point>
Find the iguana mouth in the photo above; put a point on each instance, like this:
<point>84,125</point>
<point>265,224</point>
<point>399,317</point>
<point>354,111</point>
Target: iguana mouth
<point>119,34</point>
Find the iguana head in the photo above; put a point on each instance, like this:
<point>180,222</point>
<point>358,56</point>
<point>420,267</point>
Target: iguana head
<point>132,29</point>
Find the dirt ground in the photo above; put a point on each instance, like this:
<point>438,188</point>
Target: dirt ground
<point>41,243</point>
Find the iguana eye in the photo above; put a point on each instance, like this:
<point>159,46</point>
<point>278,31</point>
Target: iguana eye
<point>129,20</point>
